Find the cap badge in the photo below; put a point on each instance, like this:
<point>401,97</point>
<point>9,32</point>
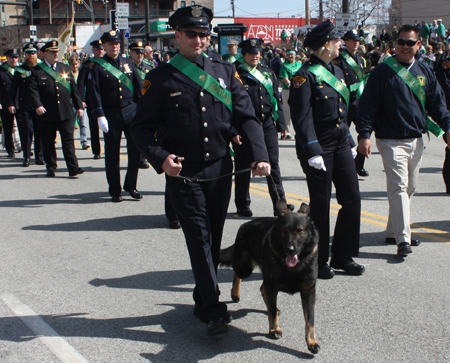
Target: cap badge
<point>54,43</point>
<point>30,46</point>
<point>113,33</point>
<point>253,43</point>
<point>197,11</point>
<point>99,41</point>
<point>139,44</point>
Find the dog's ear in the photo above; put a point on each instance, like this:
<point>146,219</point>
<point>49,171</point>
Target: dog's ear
<point>304,208</point>
<point>282,206</point>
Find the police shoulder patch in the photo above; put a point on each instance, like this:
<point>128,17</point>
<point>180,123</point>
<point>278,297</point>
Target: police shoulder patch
<point>236,75</point>
<point>146,86</point>
<point>421,80</point>
<point>446,64</point>
<point>297,81</point>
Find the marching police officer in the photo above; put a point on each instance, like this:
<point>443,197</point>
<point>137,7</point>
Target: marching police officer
<point>52,90</point>
<point>6,77</point>
<point>352,64</point>
<point>262,86</point>
<point>114,90</point>
<point>137,55</point>
<point>192,103</point>
<point>86,66</point>
<point>20,105</point>
<point>443,76</point>
<point>318,101</point>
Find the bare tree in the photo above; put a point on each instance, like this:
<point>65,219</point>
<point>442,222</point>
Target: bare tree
<point>373,11</point>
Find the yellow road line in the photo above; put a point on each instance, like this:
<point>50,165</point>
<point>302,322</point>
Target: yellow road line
<point>374,219</point>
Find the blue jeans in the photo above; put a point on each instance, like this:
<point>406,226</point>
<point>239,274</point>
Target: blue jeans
<point>82,124</point>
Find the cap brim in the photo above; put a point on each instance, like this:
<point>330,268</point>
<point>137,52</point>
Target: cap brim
<point>336,35</point>
<point>253,50</point>
<point>52,49</point>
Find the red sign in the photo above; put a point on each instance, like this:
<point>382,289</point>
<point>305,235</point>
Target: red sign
<point>270,29</point>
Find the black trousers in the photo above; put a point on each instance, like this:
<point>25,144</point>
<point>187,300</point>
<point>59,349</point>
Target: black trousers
<point>242,161</point>
<point>8,123</point>
<point>119,120</point>
<point>341,171</point>
<point>29,128</point>
<point>48,133</point>
<point>171,215</point>
<point>95,133</point>
<point>202,209</point>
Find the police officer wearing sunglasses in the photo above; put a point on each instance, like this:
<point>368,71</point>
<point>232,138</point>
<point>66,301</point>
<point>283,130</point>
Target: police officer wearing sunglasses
<point>395,102</point>
<point>191,104</point>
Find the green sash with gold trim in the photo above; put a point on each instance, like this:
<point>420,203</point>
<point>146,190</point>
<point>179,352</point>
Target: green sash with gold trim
<point>359,87</point>
<point>9,69</point>
<point>115,72</point>
<point>417,89</point>
<point>55,75</point>
<point>202,78</point>
<point>323,74</point>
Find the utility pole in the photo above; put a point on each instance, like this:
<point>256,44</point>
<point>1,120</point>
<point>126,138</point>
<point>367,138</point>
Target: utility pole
<point>147,22</point>
<point>307,13</point>
<point>30,9</point>
<point>232,6</point>
<point>320,10</point>
<point>345,6</point>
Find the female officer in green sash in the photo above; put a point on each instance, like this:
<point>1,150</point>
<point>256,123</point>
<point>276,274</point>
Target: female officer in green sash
<point>287,72</point>
<point>318,101</point>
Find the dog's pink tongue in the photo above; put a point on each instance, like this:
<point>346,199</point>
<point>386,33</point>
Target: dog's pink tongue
<point>291,261</point>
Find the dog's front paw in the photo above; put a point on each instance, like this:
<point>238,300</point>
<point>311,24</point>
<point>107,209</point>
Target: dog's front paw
<point>235,297</point>
<point>313,346</point>
<point>275,333</point>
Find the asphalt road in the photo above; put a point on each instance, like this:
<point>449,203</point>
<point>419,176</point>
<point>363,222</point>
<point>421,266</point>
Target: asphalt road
<point>86,280</point>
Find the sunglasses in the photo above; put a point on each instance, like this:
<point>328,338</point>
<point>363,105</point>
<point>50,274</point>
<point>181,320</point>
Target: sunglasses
<point>409,42</point>
<point>193,34</point>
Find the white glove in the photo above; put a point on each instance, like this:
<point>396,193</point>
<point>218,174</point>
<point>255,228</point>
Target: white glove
<point>354,153</point>
<point>103,123</point>
<point>317,162</point>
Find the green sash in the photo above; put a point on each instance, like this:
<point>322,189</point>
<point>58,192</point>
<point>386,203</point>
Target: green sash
<point>288,70</point>
<point>55,75</point>
<point>323,74</point>
<point>359,87</point>
<point>265,81</point>
<point>141,74</point>
<point>9,69</point>
<point>23,71</point>
<point>202,78</point>
<point>115,72</point>
<point>415,86</point>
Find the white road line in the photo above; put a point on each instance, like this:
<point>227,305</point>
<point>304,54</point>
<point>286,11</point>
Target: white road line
<point>58,345</point>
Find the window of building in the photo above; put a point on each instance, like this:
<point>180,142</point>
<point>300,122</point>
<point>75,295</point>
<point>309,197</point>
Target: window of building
<point>183,4</point>
<point>136,5</point>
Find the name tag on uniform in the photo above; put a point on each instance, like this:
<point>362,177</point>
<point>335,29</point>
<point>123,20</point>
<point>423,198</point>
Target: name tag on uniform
<point>175,94</point>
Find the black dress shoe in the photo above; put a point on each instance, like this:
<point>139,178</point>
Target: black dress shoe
<point>133,193</point>
<point>174,224</point>
<point>96,156</point>
<point>348,265</point>
<point>50,173</point>
<point>403,249</point>
<point>362,172</point>
<point>11,154</point>
<point>391,241</point>
<point>325,272</point>
<point>116,198</point>
<point>144,165</point>
<point>76,172</point>
<point>26,163</point>
<point>245,212</point>
<point>216,327</point>
<point>40,162</point>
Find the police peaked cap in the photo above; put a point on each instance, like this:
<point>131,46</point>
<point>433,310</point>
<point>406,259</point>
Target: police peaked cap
<point>30,47</point>
<point>351,34</point>
<point>321,34</point>
<point>251,45</point>
<point>191,16</point>
<point>12,52</point>
<point>111,36</point>
<point>51,46</point>
<point>137,47</point>
<point>96,44</point>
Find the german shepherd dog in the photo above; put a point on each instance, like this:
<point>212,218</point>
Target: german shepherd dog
<point>285,249</point>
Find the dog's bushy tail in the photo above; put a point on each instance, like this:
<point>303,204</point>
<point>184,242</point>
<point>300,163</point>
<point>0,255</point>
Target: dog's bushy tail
<point>226,256</point>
